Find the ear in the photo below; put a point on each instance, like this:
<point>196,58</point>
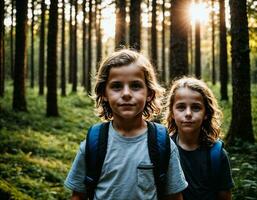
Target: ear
<point>150,95</point>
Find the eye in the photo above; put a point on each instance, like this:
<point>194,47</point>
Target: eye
<point>180,107</point>
<point>136,85</point>
<point>196,108</point>
<point>116,86</point>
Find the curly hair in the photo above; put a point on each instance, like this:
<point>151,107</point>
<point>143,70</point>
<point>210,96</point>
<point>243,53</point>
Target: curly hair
<point>211,129</point>
<point>120,58</point>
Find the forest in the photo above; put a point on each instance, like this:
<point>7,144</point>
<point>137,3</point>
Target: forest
<point>50,52</point>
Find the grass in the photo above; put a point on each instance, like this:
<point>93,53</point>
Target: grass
<point>36,152</point>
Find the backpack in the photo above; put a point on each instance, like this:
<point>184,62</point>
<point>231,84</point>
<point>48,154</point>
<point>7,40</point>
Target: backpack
<point>158,142</point>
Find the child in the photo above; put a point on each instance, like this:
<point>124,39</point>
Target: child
<point>193,119</point>
<point>127,93</point>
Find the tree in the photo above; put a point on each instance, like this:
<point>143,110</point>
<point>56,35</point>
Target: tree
<point>120,27</point>
<point>89,55</point>
<point>213,43</point>
<point>41,71</point>
<point>70,43</point>
<point>241,123</point>
<point>223,53</point>
<point>19,101</point>
<point>197,48</point>
<point>52,108</point>
<point>98,19</point>
<point>163,43</point>
<point>154,36</point>
<point>11,40</point>
<point>84,49</point>
<point>74,51</point>
<point>178,39</point>
<point>63,75</point>
<point>1,48</point>
<point>32,47</point>
<point>135,24</point>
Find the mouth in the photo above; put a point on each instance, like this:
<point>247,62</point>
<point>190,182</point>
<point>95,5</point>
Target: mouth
<point>126,105</point>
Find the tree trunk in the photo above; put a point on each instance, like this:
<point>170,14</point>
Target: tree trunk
<point>41,76</point>
<point>70,44</point>
<point>241,123</point>
<point>135,24</point>
<point>120,27</point>
<point>63,75</point>
<point>32,47</point>
<point>11,40</point>
<point>1,48</point>
<point>213,43</point>
<point>74,51</point>
<point>223,53</point>
<point>84,49</point>
<point>19,101</point>
<point>197,48</point>
<point>52,108</point>
<point>89,56</point>
<point>154,36</point>
<point>178,39</point>
<point>98,33</point>
<point>163,43</point>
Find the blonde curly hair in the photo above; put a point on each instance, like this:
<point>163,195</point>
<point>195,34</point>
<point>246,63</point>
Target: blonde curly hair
<point>211,127</point>
<point>122,58</point>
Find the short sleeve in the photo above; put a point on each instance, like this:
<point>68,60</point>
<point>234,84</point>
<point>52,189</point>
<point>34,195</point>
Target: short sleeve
<point>76,176</point>
<point>176,181</point>
<point>226,181</point>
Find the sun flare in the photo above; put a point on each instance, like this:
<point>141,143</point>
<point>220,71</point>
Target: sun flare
<point>199,12</point>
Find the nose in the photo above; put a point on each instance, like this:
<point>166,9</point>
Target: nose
<point>188,112</point>
<point>126,92</point>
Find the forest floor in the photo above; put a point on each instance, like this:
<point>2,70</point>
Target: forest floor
<point>36,152</point>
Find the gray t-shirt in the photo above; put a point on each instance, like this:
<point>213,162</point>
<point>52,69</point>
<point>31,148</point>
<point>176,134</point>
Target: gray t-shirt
<point>127,170</point>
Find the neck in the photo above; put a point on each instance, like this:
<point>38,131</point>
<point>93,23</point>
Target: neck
<point>129,128</point>
<point>188,142</point>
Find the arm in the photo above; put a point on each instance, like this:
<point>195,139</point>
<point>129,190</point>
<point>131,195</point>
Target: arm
<point>224,195</point>
<point>177,196</point>
<point>77,196</point>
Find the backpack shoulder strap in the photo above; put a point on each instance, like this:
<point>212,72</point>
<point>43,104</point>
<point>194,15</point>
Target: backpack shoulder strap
<point>159,152</point>
<point>215,156</point>
<point>96,147</point>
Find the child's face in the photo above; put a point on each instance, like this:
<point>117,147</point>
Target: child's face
<point>126,92</point>
<point>188,111</point>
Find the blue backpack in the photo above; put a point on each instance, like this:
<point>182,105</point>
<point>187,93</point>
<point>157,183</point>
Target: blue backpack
<point>96,146</point>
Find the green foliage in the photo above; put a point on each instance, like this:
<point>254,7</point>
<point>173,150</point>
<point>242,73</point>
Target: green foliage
<point>36,152</point>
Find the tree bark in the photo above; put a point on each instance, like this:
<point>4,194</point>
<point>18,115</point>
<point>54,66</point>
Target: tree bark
<point>52,108</point>
<point>41,76</point>
<point>89,56</point>
<point>213,43</point>
<point>154,47</point>
<point>63,71</point>
<point>241,123</point>
<point>74,51</point>
<point>19,101</point>
<point>135,24</point>
<point>178,39</point>
<point>32,47</point>
<point>163,43</point>
<point>1,48</point>
<point>197,48</point>
<point>120,27</point>
<point>223,53</point>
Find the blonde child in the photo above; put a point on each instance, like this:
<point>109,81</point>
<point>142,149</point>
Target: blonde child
<point>127,94</point>
<point>193,120</point>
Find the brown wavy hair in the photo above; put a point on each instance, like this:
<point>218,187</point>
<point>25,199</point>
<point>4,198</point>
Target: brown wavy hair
<point>211,127</point>
<point>122,58</point>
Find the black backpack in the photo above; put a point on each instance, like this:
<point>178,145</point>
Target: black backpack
<point>96,146</point>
